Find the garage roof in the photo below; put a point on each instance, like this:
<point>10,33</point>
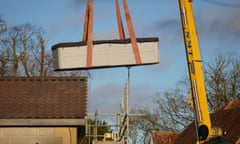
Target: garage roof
<point>43,98</point>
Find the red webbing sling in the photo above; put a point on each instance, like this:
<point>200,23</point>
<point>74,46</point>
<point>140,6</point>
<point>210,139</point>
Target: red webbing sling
<point>88,30</point>
<point>130,30</point>
<point>119,20</point>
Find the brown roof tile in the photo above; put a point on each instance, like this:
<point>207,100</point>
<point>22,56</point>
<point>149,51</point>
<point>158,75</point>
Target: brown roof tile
<point>232,104</point>
<point>228,119</point>
<point>47,97</point>
<point>164,137</point>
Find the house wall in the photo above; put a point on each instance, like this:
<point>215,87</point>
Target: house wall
<point>38,135</point>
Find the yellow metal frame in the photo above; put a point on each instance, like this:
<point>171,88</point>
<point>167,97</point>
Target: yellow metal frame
<point>198,91</point>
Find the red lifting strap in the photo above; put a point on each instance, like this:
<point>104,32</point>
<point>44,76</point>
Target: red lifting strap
<point>119,20</point>
<point>132,33</point>
<point>88,30</point>
<point>130,30</point>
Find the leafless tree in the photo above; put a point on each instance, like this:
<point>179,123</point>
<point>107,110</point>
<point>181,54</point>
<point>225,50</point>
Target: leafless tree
<point>11,43</point>
<point>223,81</point>
<point>171,111</point>
<point>37,52</point>
<point>26,37</point>
<point>23,51</point>
<point>4,52</point>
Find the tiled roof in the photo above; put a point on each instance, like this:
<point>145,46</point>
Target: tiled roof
<point>163,137</point>
<point>43,98</point>
<point>228,119</point>
<point>232,104</point>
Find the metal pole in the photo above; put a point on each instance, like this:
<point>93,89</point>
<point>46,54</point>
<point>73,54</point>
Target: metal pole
<point>118,123</point>
<point>128,95</point>
<point>96,126</point>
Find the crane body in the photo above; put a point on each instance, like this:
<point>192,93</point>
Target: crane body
<point>205,132</point>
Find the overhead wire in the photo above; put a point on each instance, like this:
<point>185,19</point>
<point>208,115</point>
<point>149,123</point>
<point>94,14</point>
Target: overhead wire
<point>224,4</point>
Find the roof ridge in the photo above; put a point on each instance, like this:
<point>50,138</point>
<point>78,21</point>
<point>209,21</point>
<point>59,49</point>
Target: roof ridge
<point>232,104</point>
<point>42,78</point>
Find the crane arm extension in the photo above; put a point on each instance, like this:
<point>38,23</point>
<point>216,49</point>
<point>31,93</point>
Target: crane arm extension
<point>198,90</point>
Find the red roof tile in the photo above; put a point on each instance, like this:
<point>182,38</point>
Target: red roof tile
<point>228,119</point>
<point>164,137</point>
<point>232,104</point>
<point>46,97</point>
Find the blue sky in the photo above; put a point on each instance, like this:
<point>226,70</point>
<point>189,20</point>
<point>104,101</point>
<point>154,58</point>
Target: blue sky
<point>218,24</point>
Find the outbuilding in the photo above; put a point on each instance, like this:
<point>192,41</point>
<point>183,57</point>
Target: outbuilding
<point>43,110</point>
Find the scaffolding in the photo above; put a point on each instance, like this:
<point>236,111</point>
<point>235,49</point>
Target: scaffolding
<point>121,136</point>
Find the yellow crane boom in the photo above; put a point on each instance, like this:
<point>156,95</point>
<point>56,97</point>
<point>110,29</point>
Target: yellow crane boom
<point>205,132</point>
